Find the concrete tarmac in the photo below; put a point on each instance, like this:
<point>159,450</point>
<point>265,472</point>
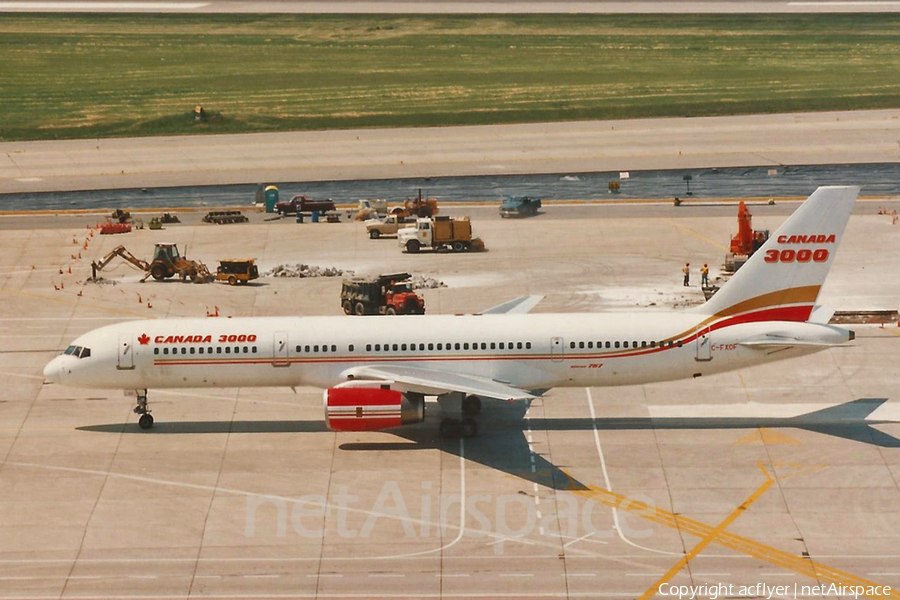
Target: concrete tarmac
<point>450,6</point>
<point>569,147</point>
<point>225,497</point>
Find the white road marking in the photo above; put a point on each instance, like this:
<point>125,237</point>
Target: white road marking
<point>606,480</point>
<point>386,575</point>
<point>516,574</point>
<point>262,576</point>
<point>643,574</point>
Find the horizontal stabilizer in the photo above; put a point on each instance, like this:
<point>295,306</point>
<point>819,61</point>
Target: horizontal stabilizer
<point>517,306</point>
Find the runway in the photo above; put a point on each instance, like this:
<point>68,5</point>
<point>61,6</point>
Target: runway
<point>568,147</point>
<point>452,6</point>
<point>243,493</point>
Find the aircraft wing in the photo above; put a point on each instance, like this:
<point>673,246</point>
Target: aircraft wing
<point>781,344</point>
<point>433,381</point>
<point>520,306</point>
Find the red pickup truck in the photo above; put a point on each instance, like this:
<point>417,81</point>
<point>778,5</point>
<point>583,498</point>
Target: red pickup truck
<point>303,204</point>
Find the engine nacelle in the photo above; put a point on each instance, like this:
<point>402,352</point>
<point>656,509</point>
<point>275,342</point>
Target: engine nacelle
<point>370,409</point>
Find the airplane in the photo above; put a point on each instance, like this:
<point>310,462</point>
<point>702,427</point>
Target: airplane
<point>376,374</point>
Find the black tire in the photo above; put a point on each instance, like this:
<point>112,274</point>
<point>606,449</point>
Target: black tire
<point>374,234</point>
<point>360,309</point>
<point>232,280</point>
<point>449,428</point>
<point>146,421</point>
<point>158,272</point>
<point>390,311</point>
<point>458,246</point>
<point>468,428</point>
<point>471,406</point>
<point>348,308</point>
<point>413,246</point>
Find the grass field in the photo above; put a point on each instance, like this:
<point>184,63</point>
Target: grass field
<point>68,76</point>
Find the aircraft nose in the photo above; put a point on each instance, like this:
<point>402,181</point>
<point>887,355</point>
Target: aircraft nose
<point>51,371</point>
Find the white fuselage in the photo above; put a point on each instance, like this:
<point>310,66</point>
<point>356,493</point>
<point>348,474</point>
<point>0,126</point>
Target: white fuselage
<point>527,351</point>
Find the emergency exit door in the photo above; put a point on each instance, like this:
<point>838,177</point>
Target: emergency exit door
<point>704,346</point>
<point>126,352</point>
<point>556,349</point>
<point>280,349</point>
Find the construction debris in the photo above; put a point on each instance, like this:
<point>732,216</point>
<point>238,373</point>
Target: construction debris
<point>300,270</point>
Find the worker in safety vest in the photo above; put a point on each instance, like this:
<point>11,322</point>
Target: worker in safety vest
<point>687,274</point>
<point>704,275</point>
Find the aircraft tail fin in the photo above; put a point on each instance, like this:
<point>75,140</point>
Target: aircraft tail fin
<point>781,281</point>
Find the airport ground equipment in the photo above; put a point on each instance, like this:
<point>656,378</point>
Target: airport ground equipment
<point>746,241</point>
<point>519,206</point>
<point>125,255</point>
<point>237,270</point>
<point>439,233</point>
<point>417,207</point>
<point>383,295</point>
<point>301,203</point>
<point>167,261</point>
<point>223,217</point>
<point>389,225</point>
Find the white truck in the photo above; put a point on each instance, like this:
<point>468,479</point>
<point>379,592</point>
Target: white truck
<point>438,233</point>
<point>388,225</point>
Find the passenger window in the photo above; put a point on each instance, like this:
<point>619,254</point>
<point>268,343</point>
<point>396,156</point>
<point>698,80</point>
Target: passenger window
<point>466,346</point>
<point>617,344</point>
<point>333,348</point>
<point>156,351</point>
<point>581,345</point>
<point>403,346</point>
<point>421,346</point>
<point>457,345</point>
<point>192,350</point>
<point>501,346</point>
<point>237,349</point>
<point>298,348</point>
<point>528,345</point>
<point>246,349</point>
<point>431,346</point>
<point>483,346</point>
<point>607,344</point>
<point>395,347</point>
<point>184,350</point>
<point>440,346</point>
<point>200,350</point>
<point>643,344</point>
<point>306,348</point>
<point>351,348</point>
<point>227,349</point>
<point>368,347</point>
<point>493,345</point>
<point>572,345</point>
<point>377,347</point>
<point>316,348</point>
<point>209,350</point>
<point>219,350</point>
<point>590,344</point>
<point>653,344</point>
<point>165,350</point>
<point>253,349</point>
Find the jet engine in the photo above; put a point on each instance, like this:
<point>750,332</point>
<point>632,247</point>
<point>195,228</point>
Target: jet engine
<point>370,408</point>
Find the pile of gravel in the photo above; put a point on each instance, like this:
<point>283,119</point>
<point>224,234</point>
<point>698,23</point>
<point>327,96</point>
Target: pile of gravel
<point>299,270</point>
<point>100,281</point>
<point>420,282</point>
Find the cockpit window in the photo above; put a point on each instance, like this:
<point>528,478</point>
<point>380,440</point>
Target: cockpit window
<point>78,351</point>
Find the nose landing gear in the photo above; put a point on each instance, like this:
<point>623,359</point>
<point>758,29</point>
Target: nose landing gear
<point>146,419</point>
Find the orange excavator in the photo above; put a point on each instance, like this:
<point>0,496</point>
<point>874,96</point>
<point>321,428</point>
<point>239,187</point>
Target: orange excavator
<point>746,241</point>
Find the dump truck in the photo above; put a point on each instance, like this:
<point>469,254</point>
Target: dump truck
<point>519,206</point>
<point>301,203</point>
<point>389,225</point>
<point>383,295</point>
<point>167,261</point>
<point>237,270</point>
<point>439,233</point>
<point>746,241</point>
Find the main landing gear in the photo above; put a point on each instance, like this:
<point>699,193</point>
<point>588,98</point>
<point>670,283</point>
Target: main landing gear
<point>146,419</point>
<point>459,410</point>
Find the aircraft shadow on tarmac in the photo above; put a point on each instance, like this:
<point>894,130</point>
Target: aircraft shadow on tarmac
<point>503,445</point>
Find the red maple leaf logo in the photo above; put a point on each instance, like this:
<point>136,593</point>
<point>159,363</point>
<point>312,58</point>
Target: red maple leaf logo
<point>144,339</point>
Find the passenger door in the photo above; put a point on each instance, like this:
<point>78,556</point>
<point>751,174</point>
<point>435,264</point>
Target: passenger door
<point>126,352</point>
<point>556,349</point>
<point>704,346</point>
<point>280,349</point>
